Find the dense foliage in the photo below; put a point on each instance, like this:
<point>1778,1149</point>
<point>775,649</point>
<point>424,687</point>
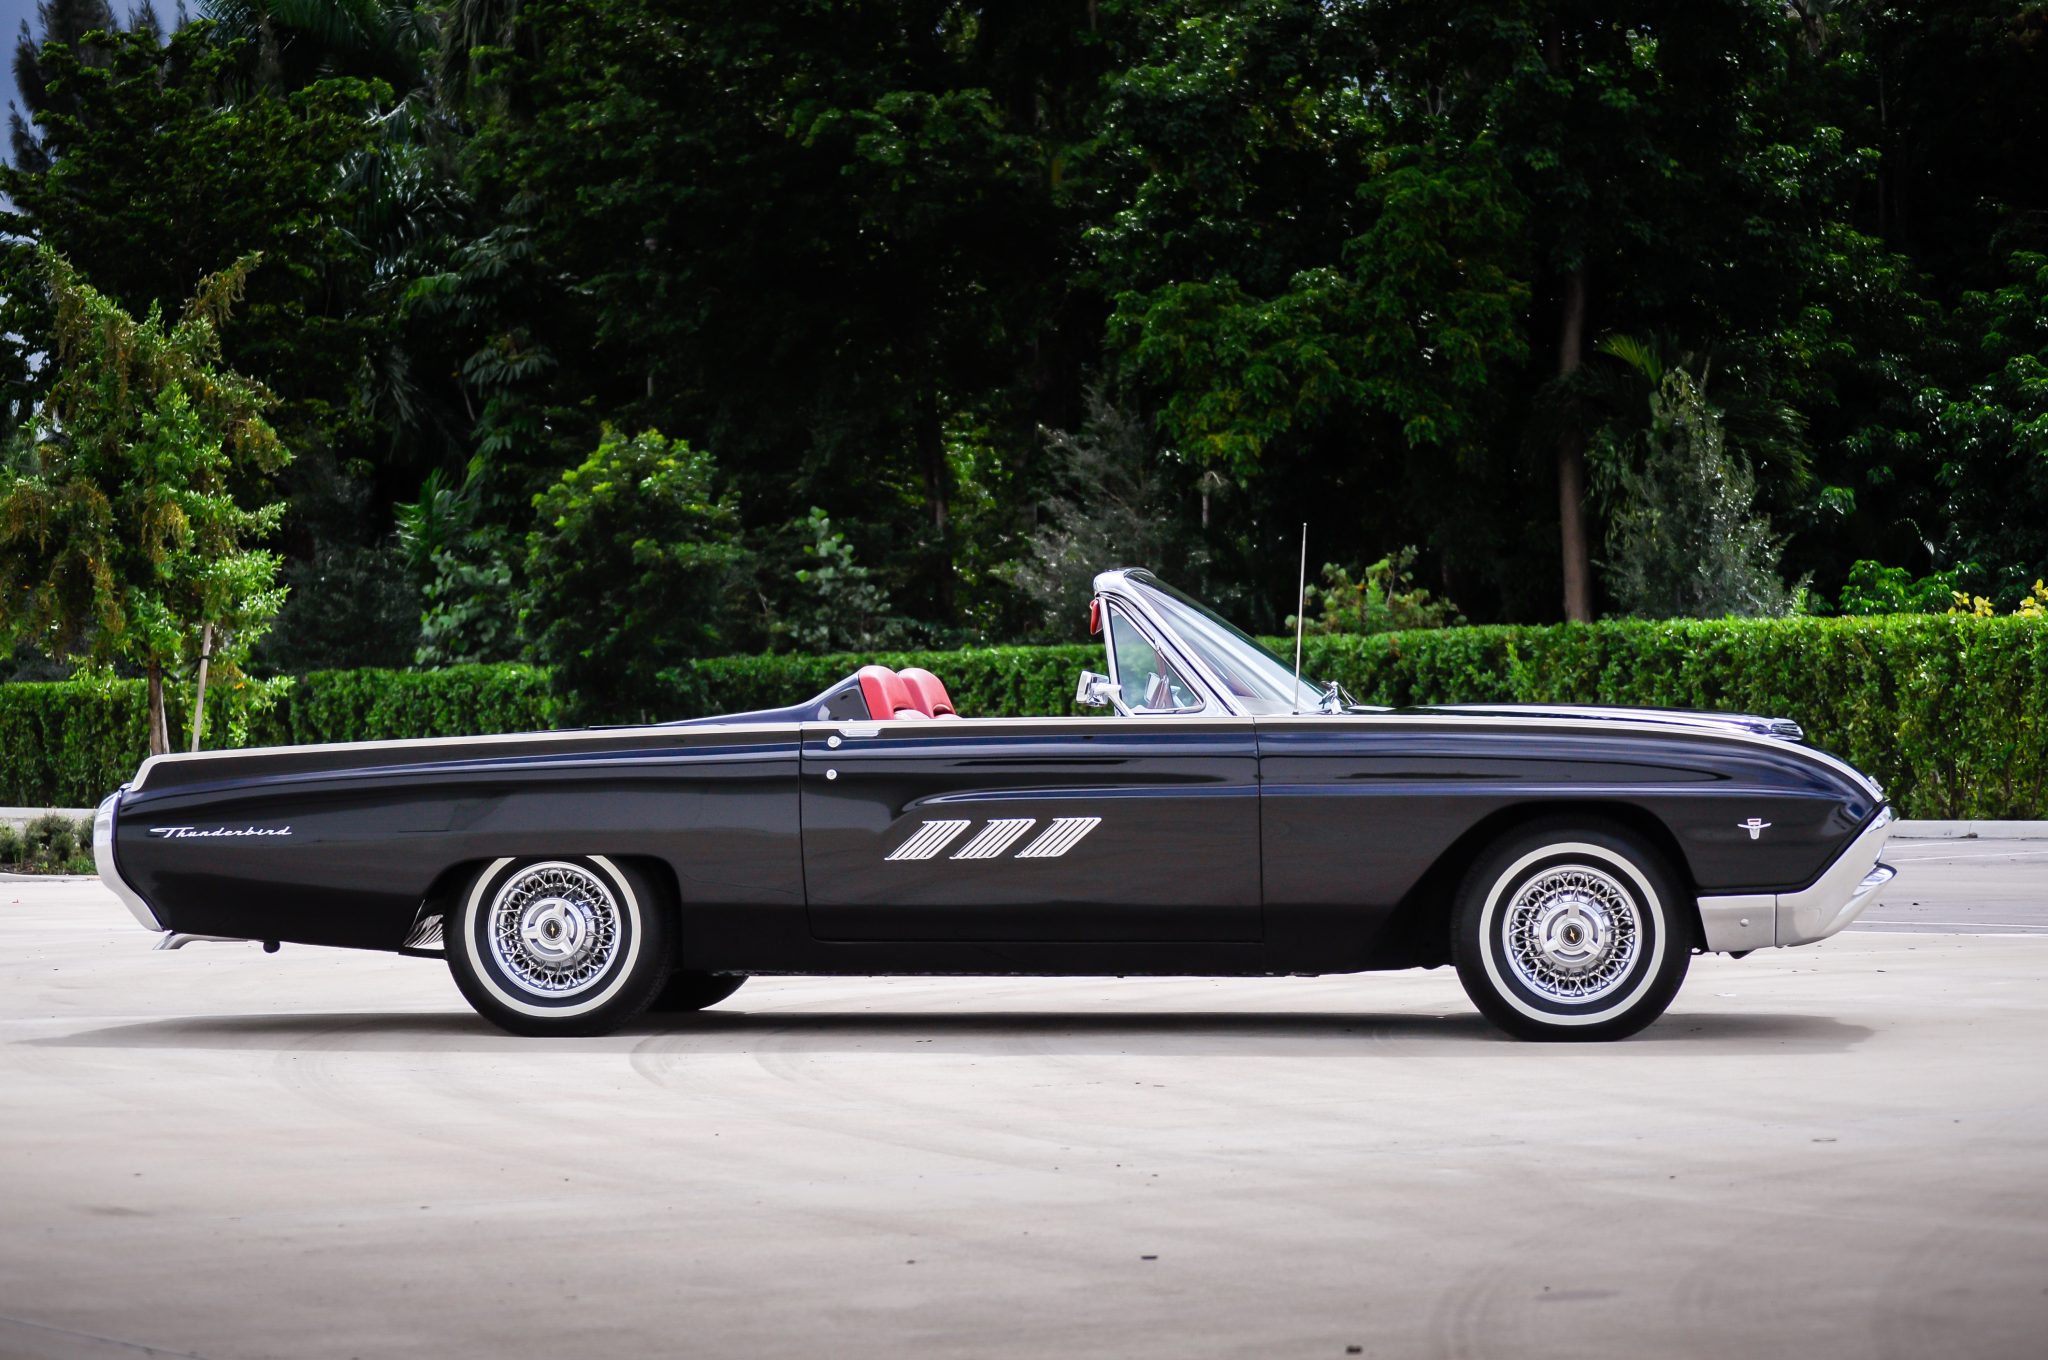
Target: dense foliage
<point>954,303</point>
<point>1880,692</point>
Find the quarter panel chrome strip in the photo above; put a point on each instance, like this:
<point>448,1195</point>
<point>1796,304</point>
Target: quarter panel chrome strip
<point>1063,835</point>
<point>995,838</point>
<point>930,838</point>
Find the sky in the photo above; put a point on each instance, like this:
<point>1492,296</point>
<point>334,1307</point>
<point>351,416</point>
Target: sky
<point>12,12</point>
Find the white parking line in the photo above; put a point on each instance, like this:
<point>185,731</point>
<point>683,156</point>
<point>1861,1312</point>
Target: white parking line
<point>1896,855</point>
<point>1958,925</point>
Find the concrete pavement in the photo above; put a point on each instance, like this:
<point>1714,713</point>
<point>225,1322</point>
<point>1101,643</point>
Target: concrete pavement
<point>1833,1151</point>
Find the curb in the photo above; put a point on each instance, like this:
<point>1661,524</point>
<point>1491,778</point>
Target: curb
<point>20,817</point>
<point>1970,831</point>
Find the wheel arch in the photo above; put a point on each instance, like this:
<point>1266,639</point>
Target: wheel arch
<point>1420,931</point>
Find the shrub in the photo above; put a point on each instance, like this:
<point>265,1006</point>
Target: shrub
<point>630,571</point>
<point>1385,599</point>
<point>57,834</point>
<point>51,844</point>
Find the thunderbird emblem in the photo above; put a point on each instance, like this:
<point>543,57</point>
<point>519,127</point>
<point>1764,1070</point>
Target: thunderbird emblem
<point>181,833</point>
<point>1754,826</point>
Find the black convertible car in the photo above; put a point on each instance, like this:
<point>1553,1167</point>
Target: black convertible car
<point>1223,817</point>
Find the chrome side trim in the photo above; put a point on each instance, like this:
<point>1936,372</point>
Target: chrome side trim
<point>1845,889</point>
<point>623,734</point>
<point>1735,925</point>
<point>1540,721</point>
<point>110,872</point>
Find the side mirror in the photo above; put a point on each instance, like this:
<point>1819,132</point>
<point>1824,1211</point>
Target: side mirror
<point>1096,691</point>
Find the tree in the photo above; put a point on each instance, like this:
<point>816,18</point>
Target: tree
<point>817,239</point>
<point>1684,539</point>
<point>1993,425</point>
<point>122,536</point>
<point>153,159</point>
<point>1117,501</point>
<point>631,571</point>
<point>840,608</point>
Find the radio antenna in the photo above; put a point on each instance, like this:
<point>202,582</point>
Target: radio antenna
<point>1300,608</point>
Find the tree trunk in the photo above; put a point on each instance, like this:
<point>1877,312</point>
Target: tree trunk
<point>1571,461</point>
<point>931,439</point>
<point>159,730</point>
<point>199,695</point>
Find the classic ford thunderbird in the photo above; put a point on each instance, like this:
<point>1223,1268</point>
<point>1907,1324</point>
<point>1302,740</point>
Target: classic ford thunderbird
<point>1221,815</point>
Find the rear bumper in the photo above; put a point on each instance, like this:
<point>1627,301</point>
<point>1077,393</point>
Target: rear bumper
<point>110,871</point>
<point>1856,880</point>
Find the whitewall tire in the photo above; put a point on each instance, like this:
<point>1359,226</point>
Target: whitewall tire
<point>567,944</point>
<point>1572,929</point>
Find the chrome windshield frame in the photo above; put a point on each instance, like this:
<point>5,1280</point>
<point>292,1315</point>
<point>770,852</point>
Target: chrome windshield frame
<point>1122,587</point>
<point>1151,629</point>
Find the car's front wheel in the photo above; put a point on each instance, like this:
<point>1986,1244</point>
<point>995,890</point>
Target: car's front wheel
<point>575,944</point>
<point>1571,929</point>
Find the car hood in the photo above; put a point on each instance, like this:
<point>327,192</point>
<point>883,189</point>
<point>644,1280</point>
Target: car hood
<point>1783,728</point>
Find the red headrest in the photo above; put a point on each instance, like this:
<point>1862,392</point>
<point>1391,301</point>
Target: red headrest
<point>926,692</point>
<point>886,694</point>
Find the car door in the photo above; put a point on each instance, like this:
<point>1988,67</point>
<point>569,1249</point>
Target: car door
<point>1081,829</point>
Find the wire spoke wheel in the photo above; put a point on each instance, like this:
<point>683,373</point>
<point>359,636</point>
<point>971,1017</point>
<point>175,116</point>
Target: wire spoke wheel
<point>1571,929</point>
<point>554,929</point>
<point>568,944</point>
<point>1572,933</point>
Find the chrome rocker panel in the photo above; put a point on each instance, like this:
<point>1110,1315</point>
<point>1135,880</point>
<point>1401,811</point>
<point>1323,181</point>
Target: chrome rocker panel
<point>1856,880</point>
<point>110,873</point>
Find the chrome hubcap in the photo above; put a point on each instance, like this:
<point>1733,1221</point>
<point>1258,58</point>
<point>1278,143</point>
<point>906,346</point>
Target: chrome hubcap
<point>1572,933</point>
<point>554,929</point>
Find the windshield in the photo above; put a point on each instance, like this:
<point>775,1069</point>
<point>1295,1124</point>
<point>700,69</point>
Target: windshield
<point>1260,681</point>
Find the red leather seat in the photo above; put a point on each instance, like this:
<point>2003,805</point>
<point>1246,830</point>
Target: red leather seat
<point>927,692</point>
<point>886,694</point>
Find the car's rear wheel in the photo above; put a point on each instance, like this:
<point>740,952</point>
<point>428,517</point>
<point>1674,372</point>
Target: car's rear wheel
<point>1571,929</point>
<point>572,944</point>
<point>688,991</point>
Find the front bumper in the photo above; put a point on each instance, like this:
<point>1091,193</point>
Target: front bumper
<point>1856,880</point>
<point>110,872</point>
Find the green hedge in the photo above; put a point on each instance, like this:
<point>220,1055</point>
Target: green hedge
<point>1948,711</point>
<point>66,744</point>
